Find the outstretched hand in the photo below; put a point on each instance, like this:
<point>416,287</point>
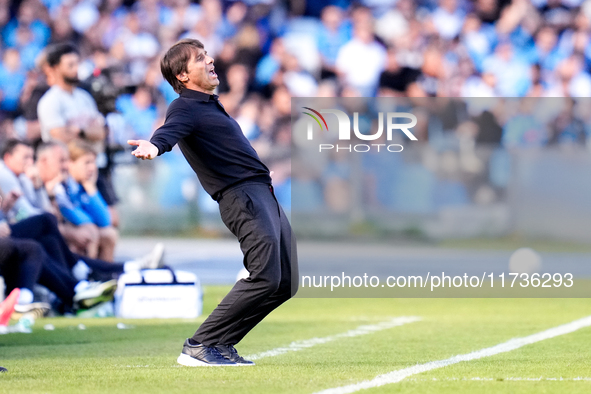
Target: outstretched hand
<point>145,149</point>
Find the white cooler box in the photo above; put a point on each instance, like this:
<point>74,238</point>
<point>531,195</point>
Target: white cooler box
<point>160,293</point>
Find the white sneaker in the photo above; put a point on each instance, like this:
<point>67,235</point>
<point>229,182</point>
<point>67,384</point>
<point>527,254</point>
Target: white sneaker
<point>35,309</point>
<point>94,293</point>
<point>152,260</point>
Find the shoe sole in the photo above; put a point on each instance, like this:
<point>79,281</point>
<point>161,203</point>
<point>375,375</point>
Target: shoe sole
<point>37,310</point>
<point>34,313</point>
<point>188,361</point>
<point>106,295</point>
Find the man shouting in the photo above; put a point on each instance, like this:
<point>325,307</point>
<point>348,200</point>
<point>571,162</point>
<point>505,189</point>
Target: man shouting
<point>232,173</point>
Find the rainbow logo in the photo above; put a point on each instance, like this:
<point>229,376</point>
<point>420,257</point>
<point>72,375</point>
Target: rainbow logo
<point>315,118</point>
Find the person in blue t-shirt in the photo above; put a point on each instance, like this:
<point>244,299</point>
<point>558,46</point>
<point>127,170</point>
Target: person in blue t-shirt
<point>12,80</point>
<point>81,204</point>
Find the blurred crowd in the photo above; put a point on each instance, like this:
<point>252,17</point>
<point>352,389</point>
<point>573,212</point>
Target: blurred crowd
<point>268,51</point>
<point>466,154</point>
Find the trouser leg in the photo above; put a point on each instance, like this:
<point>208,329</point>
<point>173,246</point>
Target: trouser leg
<point>58,279</point>
<point>43,229</point>
<point>29,264</point>
<point>21,263</point>
<point>252,214</point>
<point>102,270</point>
<point>287,288</point>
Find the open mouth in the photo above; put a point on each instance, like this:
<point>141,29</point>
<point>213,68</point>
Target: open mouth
<point>212,73</point>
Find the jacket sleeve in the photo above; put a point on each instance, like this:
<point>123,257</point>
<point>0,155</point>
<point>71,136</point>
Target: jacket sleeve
<point>75,216</point>
<point>96,207</point>
<point>177,125</point>
<point>69,211</point>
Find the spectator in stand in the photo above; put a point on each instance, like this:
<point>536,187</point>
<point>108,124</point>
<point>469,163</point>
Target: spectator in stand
<point>395,78</point>
<point>204,31</point>
<point>19,175</point>
<point>81,204</point>
<point>249,41</point>
<point>12,80</point>
<point>395,22</point>
<point>361,60</point>
<point>546,51</point>
<point>235,16</point>
<point>27,32</point>
<point>185,15</point>
<point>477,38</point>
<point>53,164</point>
<point>572,79</point>
<point>448,19</point>
<point>28,17</point>
<point>139,112</point>
<point>67,112</point>
<point>163,93</point>
<point>270,64</point>
<point>139,46</point>
<point>433,72</point>
<point>334,32</point>
<point>568,128</point>
<point>153,14</point>
<point>83,16</point>
<point>36,84</point>
<point>524,129</point>
<point>212,12</point>
<point>61,28</point>
<point>512,74</point>
<point>237,78</point>
<point>298,81</point>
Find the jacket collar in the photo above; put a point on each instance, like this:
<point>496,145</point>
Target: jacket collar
<point>201,96</point>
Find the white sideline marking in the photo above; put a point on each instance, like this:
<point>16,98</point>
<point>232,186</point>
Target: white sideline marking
<point>510,378</point>
<point>361,330</point>
<point>512,344</point>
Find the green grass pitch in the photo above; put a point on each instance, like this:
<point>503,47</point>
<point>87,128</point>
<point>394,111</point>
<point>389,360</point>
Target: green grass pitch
<point>104,359</point>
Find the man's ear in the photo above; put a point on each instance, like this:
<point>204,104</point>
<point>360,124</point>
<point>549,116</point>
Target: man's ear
<point>183,77</point>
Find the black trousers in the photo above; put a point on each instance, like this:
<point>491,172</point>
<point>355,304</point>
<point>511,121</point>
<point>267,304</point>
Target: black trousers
<point>24,262</point>
<point>251,212</point>
<point>43,229</point>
